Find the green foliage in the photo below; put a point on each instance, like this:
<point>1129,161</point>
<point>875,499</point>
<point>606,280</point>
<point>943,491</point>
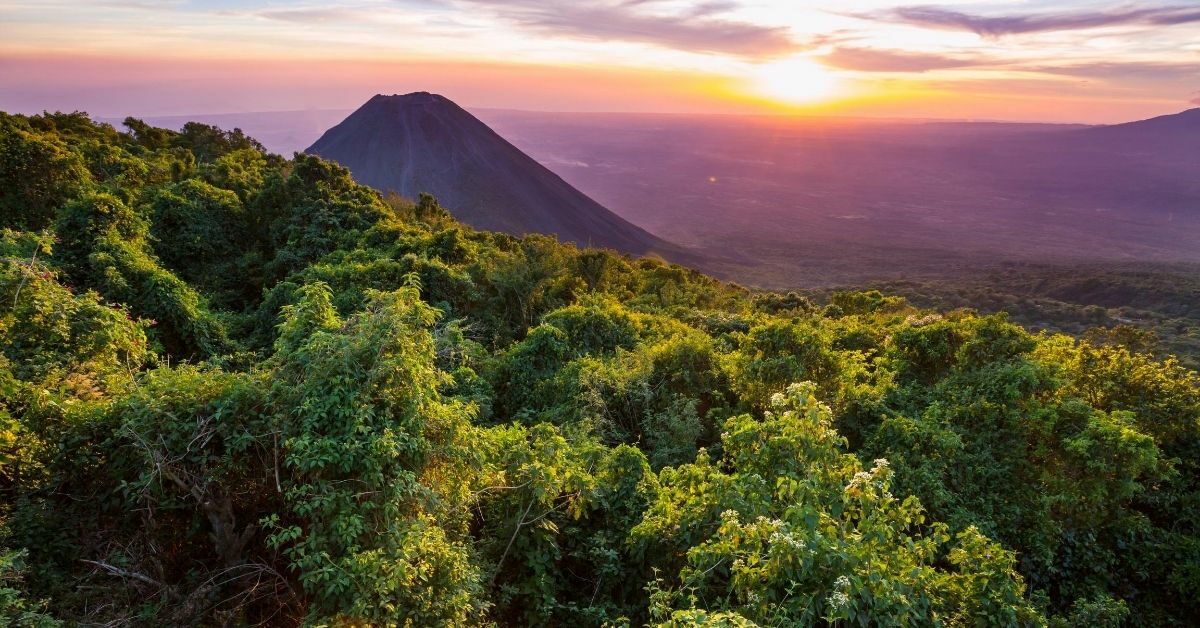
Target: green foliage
<point>530,375</point>
<point>555,514</point>
<point>191,452</point>
<point>788,529</point>
<point>15,610</point>
<point>317,209</point>
<point>238,389</point>
<point>779,352</point>
<point>869,302</point>
<point>209,143</point>
<point>105,247</point>
<point>1158,401</point>
<point>1149,307</point>
<point>38,173</point>
<point>363,426</point>
<point>668,396</point>
<point>990,439</point>
<point>201,232</point>
<point>58,340</point>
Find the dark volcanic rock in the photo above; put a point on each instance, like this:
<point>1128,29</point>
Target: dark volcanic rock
<point>423,142</point>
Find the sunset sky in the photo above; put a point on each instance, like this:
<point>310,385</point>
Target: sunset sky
<point>1051,60</point>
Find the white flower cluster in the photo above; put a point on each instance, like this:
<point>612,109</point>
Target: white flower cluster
<point>877,476</point>
<point>839,598</point>
<point>861,478</point>
<point>783,538</point>
<point>922,321</point>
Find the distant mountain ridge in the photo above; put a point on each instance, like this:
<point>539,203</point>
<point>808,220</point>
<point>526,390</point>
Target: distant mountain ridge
<point>422,142</point>
<point>1176,135</point>
<point>1187,120</point>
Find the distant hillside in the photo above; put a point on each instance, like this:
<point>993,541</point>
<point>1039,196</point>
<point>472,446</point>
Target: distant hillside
<point>829,202</point>
<point>423,142</point>
<point>1176,135</point>
<point>1162,127</point>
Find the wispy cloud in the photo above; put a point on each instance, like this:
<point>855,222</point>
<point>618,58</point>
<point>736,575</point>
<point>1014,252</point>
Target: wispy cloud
<point>310,15</point>
<point>142,5</point>
<point>697,29</point>
<point>1126,72</point>
<point>876,60</point>
<point>999,25</point>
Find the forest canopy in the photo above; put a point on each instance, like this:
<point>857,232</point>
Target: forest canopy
<point>242,389</point>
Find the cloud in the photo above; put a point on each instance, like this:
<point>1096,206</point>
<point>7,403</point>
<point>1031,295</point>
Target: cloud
<point>165,5</point>
<point>1126,72</point>
<point>696,30</point>
<point>705,9</point>
<point>700,9</point>
<point>1195,101</point>
<point>350,12</point>
<point>996,26</point>
<point>875,60</point>
<point>310,15</point>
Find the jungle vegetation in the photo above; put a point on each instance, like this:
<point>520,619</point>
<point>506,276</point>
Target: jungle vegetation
<point>239,389</point>
<point>1150,307</point>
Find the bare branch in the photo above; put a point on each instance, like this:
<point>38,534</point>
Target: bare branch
<point>123,573</point>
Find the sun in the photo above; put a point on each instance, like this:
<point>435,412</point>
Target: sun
<point>796,80</point>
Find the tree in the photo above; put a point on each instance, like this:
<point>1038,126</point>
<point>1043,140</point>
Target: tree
<point>39,173</point>
<point>376,460</point>
<point>788,529</point>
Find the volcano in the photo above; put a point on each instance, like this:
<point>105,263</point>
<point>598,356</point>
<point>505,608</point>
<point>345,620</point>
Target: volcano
<point>422,142</point>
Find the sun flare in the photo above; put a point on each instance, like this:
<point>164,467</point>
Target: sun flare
<point>796,80</point>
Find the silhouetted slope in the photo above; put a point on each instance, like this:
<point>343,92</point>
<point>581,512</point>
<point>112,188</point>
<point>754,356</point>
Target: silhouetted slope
<point>1174,136</point>
<point>1187,122</point>
<point>423,142</point>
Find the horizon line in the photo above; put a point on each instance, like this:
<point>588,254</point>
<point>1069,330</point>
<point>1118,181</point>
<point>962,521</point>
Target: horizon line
<point>677,114</point>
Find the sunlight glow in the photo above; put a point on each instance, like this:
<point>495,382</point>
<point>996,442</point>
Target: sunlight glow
<point>794,80</point>
<point>864,57</point>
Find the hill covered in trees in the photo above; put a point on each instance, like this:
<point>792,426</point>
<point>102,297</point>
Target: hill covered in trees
<point>1154,308</point>
<point>242,389</point>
